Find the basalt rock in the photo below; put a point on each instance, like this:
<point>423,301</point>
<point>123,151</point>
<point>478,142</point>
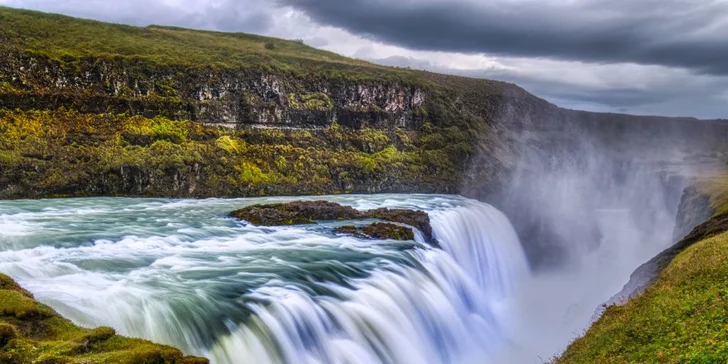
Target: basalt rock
<point>379,231</point>
<point>295,213</point>
<point>309,212</point>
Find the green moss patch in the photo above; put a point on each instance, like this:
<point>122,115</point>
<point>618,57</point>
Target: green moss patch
<point>31,332</point>
<point>379,231</point>
<point>309,212</point>
<point>68,153</point>
<point>717,189</point>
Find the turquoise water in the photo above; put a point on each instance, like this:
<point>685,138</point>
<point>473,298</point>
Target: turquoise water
<point>180,272</point>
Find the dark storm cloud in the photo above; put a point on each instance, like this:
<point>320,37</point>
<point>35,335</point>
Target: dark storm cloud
<point>677,33</point>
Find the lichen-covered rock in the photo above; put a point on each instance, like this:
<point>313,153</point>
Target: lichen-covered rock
<point>295,213</point>
<point>418,219</point>
<point>31,332</point>
<point>379,231</point>
<point>308,212</point>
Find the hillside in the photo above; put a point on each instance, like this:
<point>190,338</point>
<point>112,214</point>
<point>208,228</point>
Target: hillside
<point>90,108</point>
<point>680,319</point>
<point>96,109</point>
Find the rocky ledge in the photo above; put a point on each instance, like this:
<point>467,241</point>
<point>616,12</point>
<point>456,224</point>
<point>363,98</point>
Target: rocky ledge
<point>647,274</point>
<point>379,231</point>
<point>31,332</point>
<point>309,212</point>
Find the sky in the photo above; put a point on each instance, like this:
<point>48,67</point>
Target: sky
<point>658,57</point>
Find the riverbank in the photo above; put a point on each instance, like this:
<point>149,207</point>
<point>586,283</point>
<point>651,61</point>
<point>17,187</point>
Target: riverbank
<point>31,332</point>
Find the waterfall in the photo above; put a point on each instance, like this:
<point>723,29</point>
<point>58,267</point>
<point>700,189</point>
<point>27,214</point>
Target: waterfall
<point>242,294</point>
<point>482,241</point>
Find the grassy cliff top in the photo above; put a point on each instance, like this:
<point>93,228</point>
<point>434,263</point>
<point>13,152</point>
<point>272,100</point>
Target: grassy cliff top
<point>715,187</point>
<point>31,332</point>
<point>67,38</point>
<point>683,318</point>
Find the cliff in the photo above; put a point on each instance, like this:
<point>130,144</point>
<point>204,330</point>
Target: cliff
<point>99,109</point>
<point>679,319</point>
<point>91,108</point>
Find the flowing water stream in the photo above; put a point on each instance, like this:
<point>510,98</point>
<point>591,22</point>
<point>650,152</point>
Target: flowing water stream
<point>180,272</point>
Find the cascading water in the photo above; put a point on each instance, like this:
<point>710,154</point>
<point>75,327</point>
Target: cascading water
<point>180,273</point>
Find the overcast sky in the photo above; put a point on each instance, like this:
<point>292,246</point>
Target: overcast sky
<point>667,57</point>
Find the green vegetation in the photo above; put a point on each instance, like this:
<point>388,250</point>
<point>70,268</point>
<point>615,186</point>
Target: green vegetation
<point>315,101</point>
<point>309,212</point>
<point>90,108</point>
<point>683,318</point>
<point>717,189</point>
<point>31,332</point>
<point>69,40</point>
<point>58,153</point>
<point>380,231</point>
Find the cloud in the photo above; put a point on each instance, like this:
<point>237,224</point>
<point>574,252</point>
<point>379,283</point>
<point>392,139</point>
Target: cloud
<point>625,88</point>
<point>583,54</point>
<point>676,33</point>
<point>230,15</point>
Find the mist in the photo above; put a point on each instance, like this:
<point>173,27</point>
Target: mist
<point>592,197</point>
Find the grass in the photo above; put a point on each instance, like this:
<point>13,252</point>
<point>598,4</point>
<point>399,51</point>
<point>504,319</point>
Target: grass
<point>68,39</point>
<point>683,318</point>
<point>717,189</point>
<point>31,332</point>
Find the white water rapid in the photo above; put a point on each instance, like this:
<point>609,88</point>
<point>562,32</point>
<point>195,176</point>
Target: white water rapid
<point>181,273</point>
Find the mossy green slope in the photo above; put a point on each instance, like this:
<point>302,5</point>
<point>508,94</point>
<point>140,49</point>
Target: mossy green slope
<point>90,108</point>
<point>65,38</point>
<point>66,153</point>
<point>31,332</point>
<point>716,188</point>
<point>683,318</point>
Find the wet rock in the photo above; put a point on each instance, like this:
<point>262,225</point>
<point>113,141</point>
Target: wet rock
<point>418,219</point>
<point>295,213</point>
<point>379,231</point>
<point>308,212</point>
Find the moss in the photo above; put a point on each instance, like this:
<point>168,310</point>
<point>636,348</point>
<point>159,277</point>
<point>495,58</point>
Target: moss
<point>683,318</point>
<point>230,144</point>
<point>14,303</point>
<point>31,332</point>
<point>69,41</point>
<point>379,231</point>
<point>7,87</point>
<point>309,212</point>
<point>251,174</point>
<point>63,152</point>
<point>7,333</point>
<point>317,101</point>
<point>717,189</point>
<point>295,213</point>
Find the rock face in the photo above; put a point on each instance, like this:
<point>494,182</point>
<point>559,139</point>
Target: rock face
<point>379,231</point>
<point>271,117</point>
<point>214,96</point>
<point>296,213</point>
<point>309,212</point>
<point>647,274</point>
<point>694,209</point>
